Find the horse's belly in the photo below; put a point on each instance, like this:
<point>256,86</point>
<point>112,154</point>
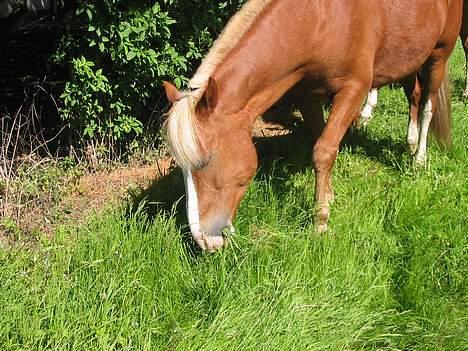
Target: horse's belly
<point>400,62</point>
<point>408,41</point>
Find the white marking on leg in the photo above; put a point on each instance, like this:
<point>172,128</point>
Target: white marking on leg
<point>371,102</point>
<point>413,135</point>
<point>426,120</point>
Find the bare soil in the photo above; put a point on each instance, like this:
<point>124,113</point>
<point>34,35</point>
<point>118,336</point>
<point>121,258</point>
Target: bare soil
<point>97,190</point>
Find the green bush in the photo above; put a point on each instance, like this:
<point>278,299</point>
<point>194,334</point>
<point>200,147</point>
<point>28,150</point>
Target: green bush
<point>123,52</point>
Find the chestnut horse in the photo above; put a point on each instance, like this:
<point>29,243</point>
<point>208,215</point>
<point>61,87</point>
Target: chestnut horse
<point>335,50</point>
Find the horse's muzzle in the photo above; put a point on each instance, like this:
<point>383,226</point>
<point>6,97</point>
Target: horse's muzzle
<point>215,237</point>
<point>210,243</point>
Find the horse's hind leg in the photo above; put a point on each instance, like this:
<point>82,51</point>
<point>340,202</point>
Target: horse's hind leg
<point>412,90</point>
<point>345,109</point>
<point>434,84</point>
<point>427,110</point>
<point>432,76</point>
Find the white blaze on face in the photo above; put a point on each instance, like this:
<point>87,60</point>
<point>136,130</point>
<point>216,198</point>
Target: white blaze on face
<point>204,240</point>
<point>192,204</point>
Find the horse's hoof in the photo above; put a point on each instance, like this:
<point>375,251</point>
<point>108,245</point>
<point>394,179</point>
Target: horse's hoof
<point>363,122</point>
<point>420,161</point>
<point>413,148</point>
<point>322,228</point>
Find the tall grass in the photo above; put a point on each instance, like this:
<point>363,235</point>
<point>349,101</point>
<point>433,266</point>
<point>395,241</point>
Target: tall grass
<point>390,275</point>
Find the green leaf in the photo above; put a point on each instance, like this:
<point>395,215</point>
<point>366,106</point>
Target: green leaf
<point>89,14</point>
<point>178,82</point>
<point>130,55</point>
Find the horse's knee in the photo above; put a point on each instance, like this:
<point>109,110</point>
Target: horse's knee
<point>324,156</point>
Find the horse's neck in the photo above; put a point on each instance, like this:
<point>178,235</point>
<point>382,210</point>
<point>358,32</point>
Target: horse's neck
<point>261,68</point>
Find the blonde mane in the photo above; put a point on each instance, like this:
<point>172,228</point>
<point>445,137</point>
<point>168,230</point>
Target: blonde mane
<point>181,125</point>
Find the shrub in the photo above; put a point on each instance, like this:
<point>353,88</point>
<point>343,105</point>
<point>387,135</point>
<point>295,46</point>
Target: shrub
<point>122,55</point>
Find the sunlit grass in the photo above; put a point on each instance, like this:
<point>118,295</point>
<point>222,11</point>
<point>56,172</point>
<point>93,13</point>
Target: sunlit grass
<point>391,274</point>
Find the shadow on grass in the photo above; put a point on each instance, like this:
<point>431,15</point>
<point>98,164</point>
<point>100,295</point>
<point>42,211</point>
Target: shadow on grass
<point>295,150</point>
<point>280,157</point>
<point>166,196</point>
<point>384,150</point>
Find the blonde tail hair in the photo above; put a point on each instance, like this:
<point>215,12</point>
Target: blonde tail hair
<point>441,123</point>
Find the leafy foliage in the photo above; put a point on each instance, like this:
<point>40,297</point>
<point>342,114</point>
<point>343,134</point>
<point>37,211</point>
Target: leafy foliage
<point>124,52</point>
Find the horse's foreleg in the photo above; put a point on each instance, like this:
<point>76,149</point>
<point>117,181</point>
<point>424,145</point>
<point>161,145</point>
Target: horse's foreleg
<point>312,113</point>
<point>346,107</point>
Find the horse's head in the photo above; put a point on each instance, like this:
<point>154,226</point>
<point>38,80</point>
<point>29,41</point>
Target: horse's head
<point>218,158</point>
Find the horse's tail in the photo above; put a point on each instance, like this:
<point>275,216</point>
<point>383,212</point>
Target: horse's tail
<point>441,124</point>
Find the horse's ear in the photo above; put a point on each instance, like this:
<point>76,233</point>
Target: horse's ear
<point>173,95</point>
<point>209,99</point>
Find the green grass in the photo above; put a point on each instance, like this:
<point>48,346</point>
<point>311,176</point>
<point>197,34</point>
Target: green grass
<point>391,274</point>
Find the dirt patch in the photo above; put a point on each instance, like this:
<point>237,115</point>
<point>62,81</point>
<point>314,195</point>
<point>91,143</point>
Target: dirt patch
<point>264,128</point>
<point>77,199</point>
<point>279,120</point>
<point>97,190</point>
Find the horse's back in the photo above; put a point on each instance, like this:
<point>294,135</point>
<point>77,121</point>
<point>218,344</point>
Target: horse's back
<point>385,39</point>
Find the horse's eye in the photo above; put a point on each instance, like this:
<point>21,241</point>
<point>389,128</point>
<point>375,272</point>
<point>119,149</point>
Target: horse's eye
<point>203,163</point>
